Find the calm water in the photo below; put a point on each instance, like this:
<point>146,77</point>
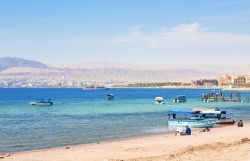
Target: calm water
<point>80,116</point>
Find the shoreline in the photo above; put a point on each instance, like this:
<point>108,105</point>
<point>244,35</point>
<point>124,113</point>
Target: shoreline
<point>114,140</point>
<point>164,87</point>
<point>97,142</point>
<point>154,145</point>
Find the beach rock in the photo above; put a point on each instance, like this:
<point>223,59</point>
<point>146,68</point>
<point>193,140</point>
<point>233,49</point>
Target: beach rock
<point>244,140</point>
<point>2,156</point>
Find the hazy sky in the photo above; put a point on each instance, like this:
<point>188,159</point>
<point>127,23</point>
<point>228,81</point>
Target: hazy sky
<point>131,31</point>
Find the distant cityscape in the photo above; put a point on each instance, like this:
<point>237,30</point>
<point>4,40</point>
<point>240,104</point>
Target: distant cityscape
<point>225,81</point>
<point>43,83</point>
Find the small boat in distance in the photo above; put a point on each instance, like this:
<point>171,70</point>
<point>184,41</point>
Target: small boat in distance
<point>182,118</point>
<point>159,100</point>
<point>181,98</point>
<point>42,102</point>
<point>95,88</point>
<point>110,97</point>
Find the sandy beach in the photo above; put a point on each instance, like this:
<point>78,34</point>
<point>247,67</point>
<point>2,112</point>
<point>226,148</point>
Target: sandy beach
<point>228,143</point>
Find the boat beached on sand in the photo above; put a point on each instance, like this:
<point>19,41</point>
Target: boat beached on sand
<point>221,116</point>
<point>42,102</point>
<point>182,118</point>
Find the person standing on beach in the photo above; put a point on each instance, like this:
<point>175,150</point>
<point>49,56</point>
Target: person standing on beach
<point>240,123</point>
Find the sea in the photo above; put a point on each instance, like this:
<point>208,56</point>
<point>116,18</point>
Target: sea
<point>85,116</point>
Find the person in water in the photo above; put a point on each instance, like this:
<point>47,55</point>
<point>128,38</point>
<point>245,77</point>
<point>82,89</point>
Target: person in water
<point>240,123</point>
<point>188,131</point>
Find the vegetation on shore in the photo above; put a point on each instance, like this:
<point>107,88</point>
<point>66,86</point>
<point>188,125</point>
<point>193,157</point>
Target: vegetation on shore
<point>159,84</point>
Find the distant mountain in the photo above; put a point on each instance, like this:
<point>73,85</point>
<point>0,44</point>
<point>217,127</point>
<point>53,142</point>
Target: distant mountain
<point>10,62</point>
<point>29,69</point>
<point>108,74</point>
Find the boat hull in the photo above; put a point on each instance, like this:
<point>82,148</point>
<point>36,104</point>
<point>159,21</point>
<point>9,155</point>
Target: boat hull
<point>158,102</point>
<point>192,123</point>
<point>41,104</point>
<point>226,122</point>
<point>179,101</point>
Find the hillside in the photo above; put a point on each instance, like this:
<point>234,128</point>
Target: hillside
<point>29,69</point>
<point>10,62</point>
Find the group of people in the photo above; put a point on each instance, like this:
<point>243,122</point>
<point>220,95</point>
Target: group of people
<point>180,131</point>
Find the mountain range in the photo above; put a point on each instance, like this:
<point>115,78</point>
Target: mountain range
<point>10,62</point>
<point>30,69</point>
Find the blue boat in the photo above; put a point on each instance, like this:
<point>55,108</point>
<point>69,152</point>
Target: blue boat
<point>110,97</point>
<point>182,118</point>
<point>42,102</point>
<point>181,98</point>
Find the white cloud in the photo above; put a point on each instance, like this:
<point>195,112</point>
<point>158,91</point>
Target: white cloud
<point>188,28</point>
<point>192,42</point>
<point>187,33</point>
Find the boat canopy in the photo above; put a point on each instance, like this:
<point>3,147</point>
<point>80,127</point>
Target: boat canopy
<point>159,98</point>
<point>208,111</point>
<point>184,112</point>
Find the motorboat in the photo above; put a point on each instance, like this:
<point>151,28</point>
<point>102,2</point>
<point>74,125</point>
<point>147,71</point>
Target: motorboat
<point>216,113</point>
<point>182,118</point>
<point>213,96</point>
<point>159,100</point>
<point>95,88</point>
<point>110,97</point>
<point>42,102</point>
<point>179,99</point>
<point>211,99</point>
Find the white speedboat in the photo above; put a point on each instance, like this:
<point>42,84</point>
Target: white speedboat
<point>159,100</point>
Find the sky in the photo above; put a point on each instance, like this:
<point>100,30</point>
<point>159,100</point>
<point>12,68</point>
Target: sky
<point>191,32</point>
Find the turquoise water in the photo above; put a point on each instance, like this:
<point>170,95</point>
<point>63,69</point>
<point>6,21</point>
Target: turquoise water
<point>79,116</point>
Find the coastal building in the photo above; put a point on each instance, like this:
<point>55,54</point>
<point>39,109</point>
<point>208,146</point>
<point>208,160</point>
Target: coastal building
<point>205,82</point>
<point>247,77</point>
<point>239,81</point>
<point>196,83</point>
<point>225,80</point>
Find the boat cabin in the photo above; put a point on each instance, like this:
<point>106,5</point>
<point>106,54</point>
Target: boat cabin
<point>181,114</point>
